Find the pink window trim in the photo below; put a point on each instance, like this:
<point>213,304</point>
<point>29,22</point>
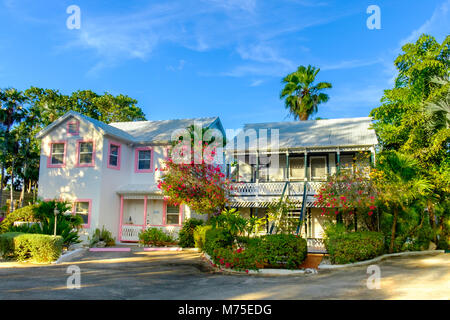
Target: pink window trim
<point>86,226</point>
<point>136,160</point>
<point>78,128</point>
<point>180,217</point>
<point>49,157</point>
<point>118,155</point>
<point>92,164</point>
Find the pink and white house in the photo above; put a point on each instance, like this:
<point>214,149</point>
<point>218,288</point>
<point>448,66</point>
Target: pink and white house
<point>107,172</point>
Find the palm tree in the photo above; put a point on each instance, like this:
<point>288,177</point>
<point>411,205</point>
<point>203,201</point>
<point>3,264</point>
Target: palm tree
<point>401,184</point>
<point>439,107</point>
<point>301,96</point>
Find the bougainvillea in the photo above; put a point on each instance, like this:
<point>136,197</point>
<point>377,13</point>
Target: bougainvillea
<point>190,176</point>
<point>349,192</point>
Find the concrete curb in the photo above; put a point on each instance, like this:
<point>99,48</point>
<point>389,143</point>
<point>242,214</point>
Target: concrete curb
<point>268,272</point>
<point>70,255</point>
<point>377,259</point>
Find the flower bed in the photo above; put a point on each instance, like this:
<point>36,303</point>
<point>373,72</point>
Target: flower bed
<point>284,251</point>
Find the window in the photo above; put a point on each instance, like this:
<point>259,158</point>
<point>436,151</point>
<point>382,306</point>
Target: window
<point>73,127</point>
<point>173,214</point>
<point>143,160</point>
<point>83,209</point>
<point>57,155</point>
<point>85,154</point>
<point>318,168</point>
<point>297,168</point>
<point>114,155</point>
<point>346,162</point>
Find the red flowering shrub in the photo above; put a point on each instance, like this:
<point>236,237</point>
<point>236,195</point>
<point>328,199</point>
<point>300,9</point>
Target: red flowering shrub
<point>349,192</point>
<point>193,180</point>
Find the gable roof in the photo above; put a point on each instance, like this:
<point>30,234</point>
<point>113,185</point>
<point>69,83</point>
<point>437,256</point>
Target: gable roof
<point>135,131</point>
<point>161,130</point>
<point>317,133</point>
<point>100,126</point>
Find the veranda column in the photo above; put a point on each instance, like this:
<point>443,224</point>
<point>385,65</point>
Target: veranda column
<point>287,165</point>
<point>306,165</point>
<point>121,218</point>
<point>338,161</point>
<point>144,226</point>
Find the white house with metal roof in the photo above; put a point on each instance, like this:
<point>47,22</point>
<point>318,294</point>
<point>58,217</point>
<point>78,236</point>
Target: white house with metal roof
<point>292,159</point>
<point>107,172</point>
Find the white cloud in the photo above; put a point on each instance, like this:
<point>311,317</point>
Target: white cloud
<point>350,64</point>
<point>200,26</point>
<point>438,25</point>
<point>256,83</point>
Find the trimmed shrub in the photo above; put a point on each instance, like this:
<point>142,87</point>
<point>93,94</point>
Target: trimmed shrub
<point>217,238</point>
<point>283,250</point>
<point>200,235</point>
<point>186,234</point>
<point>349,247</point>
<point>7,244</point>
<point>155,237</point>
<point>33,247</point>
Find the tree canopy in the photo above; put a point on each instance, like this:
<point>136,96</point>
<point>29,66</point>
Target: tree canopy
<point>24,114</point>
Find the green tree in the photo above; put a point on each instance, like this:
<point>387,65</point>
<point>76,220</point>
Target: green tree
<point>24,114</point>
<point>11,112</point>
<point>399,184</point>
<point>302,97</point>
<point>412,118</point>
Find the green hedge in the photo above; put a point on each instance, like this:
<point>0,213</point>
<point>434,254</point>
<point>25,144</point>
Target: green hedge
<point>186,234</point>
<point>283,250</point>
<point>33,247</point>
<point>200,235</point>
<point>217,238</point>
<point>349,247</point>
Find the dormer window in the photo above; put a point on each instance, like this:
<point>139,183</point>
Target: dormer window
<point>73,128</point>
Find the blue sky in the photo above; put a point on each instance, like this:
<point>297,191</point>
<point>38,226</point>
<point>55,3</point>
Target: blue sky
<point>197,58</point>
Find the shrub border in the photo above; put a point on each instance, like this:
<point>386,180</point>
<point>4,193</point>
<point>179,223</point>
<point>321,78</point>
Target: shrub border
<point>268,272</point>
<point>323,266</point>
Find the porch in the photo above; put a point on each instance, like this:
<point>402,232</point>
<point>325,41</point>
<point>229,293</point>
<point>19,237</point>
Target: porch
<point>139,212</point>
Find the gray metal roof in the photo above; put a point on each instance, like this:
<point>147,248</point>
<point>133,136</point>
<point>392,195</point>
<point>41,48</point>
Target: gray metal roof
<point>312,133</point>
<point>136,131</point>
<point>159,131</point>
<point>101,126</point>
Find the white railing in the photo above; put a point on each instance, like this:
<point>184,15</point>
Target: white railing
<point>130,232</point>
<point>273,188</point>
<point>316,245</point>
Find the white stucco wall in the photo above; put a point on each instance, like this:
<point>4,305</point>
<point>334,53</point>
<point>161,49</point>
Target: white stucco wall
<point>70,182</point>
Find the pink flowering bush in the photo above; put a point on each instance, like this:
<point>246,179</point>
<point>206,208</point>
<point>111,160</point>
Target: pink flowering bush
<point>196,181</point>
<point>349,192</point>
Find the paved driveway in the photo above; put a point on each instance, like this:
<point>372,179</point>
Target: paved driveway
<point>183,275</point>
